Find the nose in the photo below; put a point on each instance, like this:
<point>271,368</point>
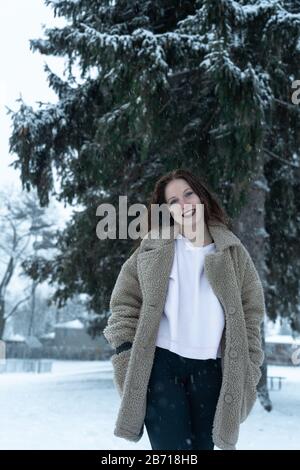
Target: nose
<point>182,206</point>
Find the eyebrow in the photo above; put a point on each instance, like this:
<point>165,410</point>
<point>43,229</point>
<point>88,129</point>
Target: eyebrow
<point>190,189</point>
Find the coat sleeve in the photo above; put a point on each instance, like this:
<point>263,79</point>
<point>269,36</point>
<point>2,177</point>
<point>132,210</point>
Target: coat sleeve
<point>253,301</point>
<point>125,304</point>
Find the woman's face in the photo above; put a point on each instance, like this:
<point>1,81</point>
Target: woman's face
<point>182,202</point>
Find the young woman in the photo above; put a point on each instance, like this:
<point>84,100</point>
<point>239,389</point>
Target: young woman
<point>185,325</point>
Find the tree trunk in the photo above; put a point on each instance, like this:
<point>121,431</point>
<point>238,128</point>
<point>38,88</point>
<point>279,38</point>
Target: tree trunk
<point>250,228</point>
<point>2,319</point>
<point>32,310</point>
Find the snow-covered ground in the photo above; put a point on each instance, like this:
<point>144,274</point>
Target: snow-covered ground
<point>75,407</point>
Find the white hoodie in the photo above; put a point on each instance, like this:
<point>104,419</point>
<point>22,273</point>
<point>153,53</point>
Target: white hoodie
<point>193,318</point>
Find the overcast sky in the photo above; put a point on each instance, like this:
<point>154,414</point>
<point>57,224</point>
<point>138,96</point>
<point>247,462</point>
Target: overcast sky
<point>22,71</point>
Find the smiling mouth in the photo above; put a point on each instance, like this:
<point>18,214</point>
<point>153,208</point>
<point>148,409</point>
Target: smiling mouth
<point>188,213</point>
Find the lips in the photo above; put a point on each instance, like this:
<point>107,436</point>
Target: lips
<point>189,212</point>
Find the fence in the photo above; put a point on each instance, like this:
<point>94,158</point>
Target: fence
<point>22,351</point>
<point>276,353</point>
<point>26,365</point>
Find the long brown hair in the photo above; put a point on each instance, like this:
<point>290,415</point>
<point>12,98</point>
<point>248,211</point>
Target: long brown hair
<point>213,210</point>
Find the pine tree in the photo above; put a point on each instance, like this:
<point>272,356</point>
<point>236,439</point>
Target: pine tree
<point>202,84</point>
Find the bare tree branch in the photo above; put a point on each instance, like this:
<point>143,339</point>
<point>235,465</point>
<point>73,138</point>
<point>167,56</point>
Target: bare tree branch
<point>272,154</point>
<point>16,306</point>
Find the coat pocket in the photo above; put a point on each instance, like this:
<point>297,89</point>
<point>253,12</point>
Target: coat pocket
<point>120,364</point>
<point>249,392</point>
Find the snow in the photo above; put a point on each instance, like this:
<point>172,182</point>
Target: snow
<point>17,338</point>
<point>73,324</point>
<point>48,336</point>
<point>287,339</point>
<point>76,406</point>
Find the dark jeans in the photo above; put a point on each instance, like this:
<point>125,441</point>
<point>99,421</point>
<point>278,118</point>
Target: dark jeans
<point>181,401</point>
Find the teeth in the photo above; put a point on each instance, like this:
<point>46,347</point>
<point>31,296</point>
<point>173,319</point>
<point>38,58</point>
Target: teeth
<point>188,212</point>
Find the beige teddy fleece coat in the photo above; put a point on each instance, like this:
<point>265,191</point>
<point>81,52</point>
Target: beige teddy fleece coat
<point>137,303</point>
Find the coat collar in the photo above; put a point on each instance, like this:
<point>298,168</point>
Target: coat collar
<point>222,236</point>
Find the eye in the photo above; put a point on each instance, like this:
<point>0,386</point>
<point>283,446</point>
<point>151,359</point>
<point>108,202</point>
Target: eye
<point>188,193</point>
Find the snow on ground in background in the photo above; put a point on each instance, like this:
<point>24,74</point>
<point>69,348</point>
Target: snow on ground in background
<point>280,428</point>
<point>76,406</point>
<point>282,339</point>
<point>59,369</point>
